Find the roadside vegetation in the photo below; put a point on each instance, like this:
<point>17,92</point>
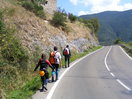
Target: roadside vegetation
<point>60,18</point>
<point>93,24</point>
<point>126,45</point>
<point>35,7</point>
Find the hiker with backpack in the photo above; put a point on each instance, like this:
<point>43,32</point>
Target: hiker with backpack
<point>67,55</point>
<point>44,63</point>
<point>55,60</point>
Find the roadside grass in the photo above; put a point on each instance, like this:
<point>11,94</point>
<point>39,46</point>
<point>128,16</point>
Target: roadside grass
<point>127,47</point>
<point>76,56</point>
<point>27,90</point>
<point>32,86</point>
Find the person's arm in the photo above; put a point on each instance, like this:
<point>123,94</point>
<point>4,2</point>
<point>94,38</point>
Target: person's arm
<point>69,52</point>
<point>37,65</point>
<point>49,64</point>
<point>60,60</point>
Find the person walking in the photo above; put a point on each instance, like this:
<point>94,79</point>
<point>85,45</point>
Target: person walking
<point>67,55</point>
<point>44,63</point>
<point>55,59</point>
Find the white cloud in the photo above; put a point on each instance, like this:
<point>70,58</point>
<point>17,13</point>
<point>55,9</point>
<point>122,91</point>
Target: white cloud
<point>83,13</point>
<point>75,2</point>
<point>101,5</point>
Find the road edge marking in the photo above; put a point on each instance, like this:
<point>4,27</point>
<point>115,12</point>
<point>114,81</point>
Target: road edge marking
<point>123,84</point>
<point>125,53</point>
<point>49,96</point>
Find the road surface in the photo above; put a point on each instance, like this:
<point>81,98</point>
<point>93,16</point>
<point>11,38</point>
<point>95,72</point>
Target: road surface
<point>106,74</point>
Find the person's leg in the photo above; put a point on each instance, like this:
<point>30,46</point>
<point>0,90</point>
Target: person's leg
<point>42,80</point>
<point>57,72</point>
<point>46,77</point>
<point>66,61</point>
<point>53,73</point>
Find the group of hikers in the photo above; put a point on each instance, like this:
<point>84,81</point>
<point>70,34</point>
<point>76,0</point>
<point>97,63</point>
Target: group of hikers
<point>54,62</point>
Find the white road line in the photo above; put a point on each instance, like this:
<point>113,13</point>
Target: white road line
<point>120,82</point>
<point>123,84</point>
<point>106,58</point>
<point>49,96</point>
<point>112,74</point>
<point>125,53</point>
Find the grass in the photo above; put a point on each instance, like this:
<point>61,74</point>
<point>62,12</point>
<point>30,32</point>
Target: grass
<point>127,47</point>
<point>27,90</point>
<point>76,56</point>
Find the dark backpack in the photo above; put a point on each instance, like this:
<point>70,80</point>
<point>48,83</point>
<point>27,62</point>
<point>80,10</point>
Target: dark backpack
<point>43,64</point>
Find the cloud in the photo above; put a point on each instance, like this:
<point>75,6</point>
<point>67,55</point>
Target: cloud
<point>74,2</point>
<point>101,5</point>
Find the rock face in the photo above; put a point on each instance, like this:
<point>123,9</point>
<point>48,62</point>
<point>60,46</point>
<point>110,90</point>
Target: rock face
<point>51,6</point>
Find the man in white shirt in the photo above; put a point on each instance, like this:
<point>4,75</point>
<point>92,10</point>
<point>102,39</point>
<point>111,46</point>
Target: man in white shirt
<point>57,62</point>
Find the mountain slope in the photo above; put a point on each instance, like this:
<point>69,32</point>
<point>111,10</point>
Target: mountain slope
<point>113,25</point>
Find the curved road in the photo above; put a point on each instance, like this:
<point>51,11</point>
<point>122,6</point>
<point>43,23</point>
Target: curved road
<point>106,74</point>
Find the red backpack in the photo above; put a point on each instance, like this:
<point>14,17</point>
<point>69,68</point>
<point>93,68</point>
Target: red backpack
<point>65,52</point>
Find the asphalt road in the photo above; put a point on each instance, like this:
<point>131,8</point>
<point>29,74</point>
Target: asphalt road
<point>106,74</point>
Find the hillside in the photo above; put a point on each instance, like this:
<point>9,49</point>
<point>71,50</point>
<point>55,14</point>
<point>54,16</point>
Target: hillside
<point>24,36</point>
<point>34,31</point>
<point>113,25</point>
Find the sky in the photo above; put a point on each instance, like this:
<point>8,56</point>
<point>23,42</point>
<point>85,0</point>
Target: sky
<point>82,7</point>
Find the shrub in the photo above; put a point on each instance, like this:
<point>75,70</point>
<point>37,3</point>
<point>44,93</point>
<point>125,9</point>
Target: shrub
<point>117,41</point>
<point>66,28</point>
<point>35,8</point>
<point>72,17</point>
<point>10,48</point>
<point>58,19</point>
<point>2,25</point>
<point>15,54</point>
<point>28,5</point>
<point>93,24</point>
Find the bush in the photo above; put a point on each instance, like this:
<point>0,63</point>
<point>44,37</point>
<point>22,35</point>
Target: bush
<point>2,25</point>
<point>15,54</point>
<point>10,48</point>
<point>118,41</point>
<point>66,28</point>
<point>35,8</point>
<point>72,17</point>
<point>28,5</point>
<point>93,24</point>
<point>58,19</point>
